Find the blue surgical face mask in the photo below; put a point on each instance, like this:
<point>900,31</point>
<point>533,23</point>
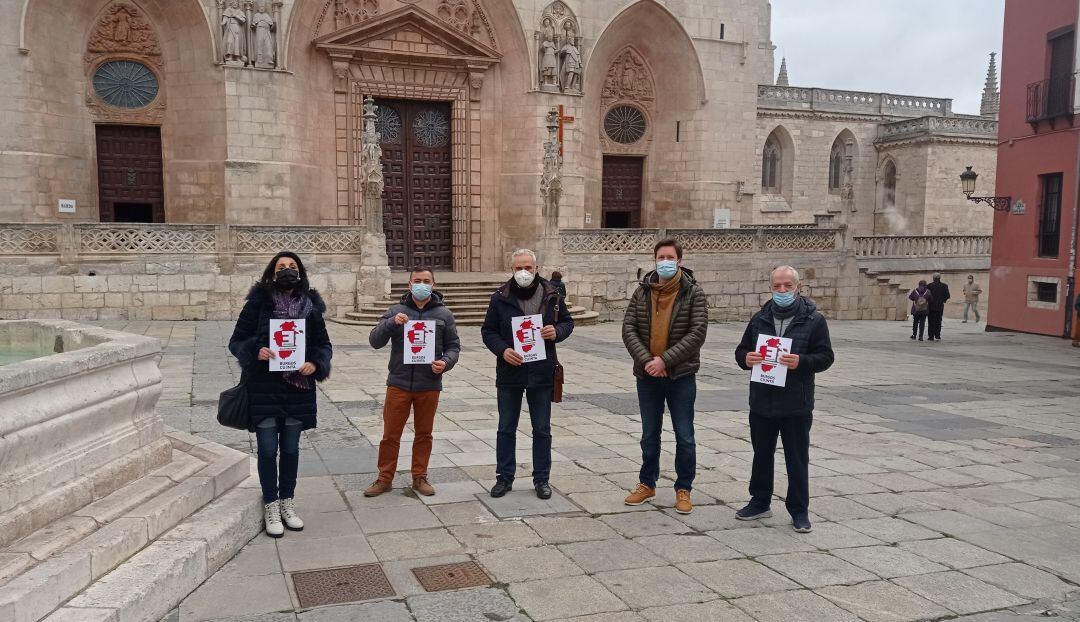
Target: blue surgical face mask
<point>420,291</point>
<point>666,268</point>
<point>784,299</point>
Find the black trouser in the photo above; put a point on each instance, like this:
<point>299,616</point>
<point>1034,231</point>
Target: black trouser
<point>935,324</point>
<point>795,434</point>
<point>918,325</point>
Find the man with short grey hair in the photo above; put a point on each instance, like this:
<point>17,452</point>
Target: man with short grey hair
<point>939,293</point>
<point>785,411</point>
<point>526,293</point>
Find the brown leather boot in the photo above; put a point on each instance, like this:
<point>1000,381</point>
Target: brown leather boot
<point>682,501</point>
<point>640,495</point>
<point>380,486</point>
<point>422,487</point>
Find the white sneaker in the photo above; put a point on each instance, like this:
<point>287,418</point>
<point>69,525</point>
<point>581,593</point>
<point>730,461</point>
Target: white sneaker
<point>272,520</point>
<point>289,516</point>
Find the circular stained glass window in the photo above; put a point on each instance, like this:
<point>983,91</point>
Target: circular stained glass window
<point>432,128</point>
<point>125,84</point>
<point>388,125</point>
<point>624,124</point>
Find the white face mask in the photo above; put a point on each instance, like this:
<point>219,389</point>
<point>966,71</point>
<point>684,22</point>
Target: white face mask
<point>524,278</point>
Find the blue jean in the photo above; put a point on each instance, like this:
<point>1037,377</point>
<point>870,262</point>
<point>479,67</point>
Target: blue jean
<point>277,475</point>
<point>974,306</point>
<point>680,394</point>
<point>509,400</point>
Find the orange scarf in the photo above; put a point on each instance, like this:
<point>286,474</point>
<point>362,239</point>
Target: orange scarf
<point>663,303</point>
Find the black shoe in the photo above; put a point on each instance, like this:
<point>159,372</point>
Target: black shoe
<point>920,339</point>
<point>543,490</point>
<point>501,487</point>
<point>801,524</point>
<point>753,511</point>
<point>929,338</point>
<point>913,336</point>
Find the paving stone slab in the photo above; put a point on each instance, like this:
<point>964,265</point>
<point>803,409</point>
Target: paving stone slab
<point>881,601</point>
<point>383,611</point>
<point>576,596</point>
<point>800,606</point>
<point>298,555</point>
<point>696,612</point>
<point>953,553</point>
<point>414,544</point>
<point>495,536</point>
<point>454,492</point>
<point>562,530</point>
<point>684,548</point>
<point>960,593</point>
<point>528,564</point>
<point>1023,580</point>
<point>814,570</point>
<point>615,554</point>
<point>891,530</point>
<point>465,513</point>
<point>519,503</point>
<point>765,541</point>
<point>738,577</point>
<point>663,585</point>
<point>644,524</point>
<point>226,595</point>
<point>464,606</point>
<point>889,562</point>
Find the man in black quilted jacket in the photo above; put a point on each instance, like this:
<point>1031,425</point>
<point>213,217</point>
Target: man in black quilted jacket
<point>786,411</point>
<point>663,330</point>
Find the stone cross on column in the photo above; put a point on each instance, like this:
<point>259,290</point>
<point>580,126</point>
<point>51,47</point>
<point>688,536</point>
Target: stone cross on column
<point>371,170</point>
<point>551,181</point>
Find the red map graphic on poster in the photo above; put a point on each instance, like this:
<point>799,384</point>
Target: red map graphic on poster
<point>286,336</point>
<point>417,335</point>
<point>524,335</point>
<point>764,351</point>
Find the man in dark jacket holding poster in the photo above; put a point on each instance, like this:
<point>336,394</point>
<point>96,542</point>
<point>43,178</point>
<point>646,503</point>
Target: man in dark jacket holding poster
<point>785,411</point>
<point>526,293</point>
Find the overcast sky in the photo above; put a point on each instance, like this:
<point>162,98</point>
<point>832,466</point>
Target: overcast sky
<point>931,48</point>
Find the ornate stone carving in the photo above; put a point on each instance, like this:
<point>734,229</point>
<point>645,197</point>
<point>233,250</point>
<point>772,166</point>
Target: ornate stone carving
<point>349,12</point>
<point>264,47</point>
<point>29,239</point>
<point>256,239</point>
<point>628,79</point>
<point>146,239</point>
<point>457,14</point>
<point>558,48</point>
<point>608,240</point>
<point>551,181</point>
<point>233,34</point>
<point>123,29</point>
<point>371,170</point>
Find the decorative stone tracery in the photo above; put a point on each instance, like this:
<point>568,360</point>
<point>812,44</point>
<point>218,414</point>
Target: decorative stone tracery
<point>123,64</point>
<point>627,100</point>
<point>349,12</point>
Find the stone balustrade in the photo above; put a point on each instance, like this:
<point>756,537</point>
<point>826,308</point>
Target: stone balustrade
<point>831,100</point>
<point>895,246</point>
<point>77,240</point>
<point>924,126</point>
<point>590,241</point>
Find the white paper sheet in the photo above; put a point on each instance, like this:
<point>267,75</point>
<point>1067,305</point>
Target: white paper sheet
<point>770,371</point>
<point>419,342</point>
<point>288,342</point>
<point>527,340</point>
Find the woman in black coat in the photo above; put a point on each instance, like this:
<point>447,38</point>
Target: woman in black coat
<point>282,403</point>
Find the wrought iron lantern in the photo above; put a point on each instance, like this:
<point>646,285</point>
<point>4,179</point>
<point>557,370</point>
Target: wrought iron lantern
<point>967,181</point>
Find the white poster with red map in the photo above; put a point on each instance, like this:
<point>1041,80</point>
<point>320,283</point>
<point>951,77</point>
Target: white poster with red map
<point>527,340</point>
<point>288,343</point>
<point>771,371</point>
<point>419,342</point>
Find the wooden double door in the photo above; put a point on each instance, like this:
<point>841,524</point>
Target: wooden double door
<point>418,194</point>
<point>130,180</point>
<point>621,192</point>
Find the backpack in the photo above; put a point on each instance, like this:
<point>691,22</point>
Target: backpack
<point>922,305</point>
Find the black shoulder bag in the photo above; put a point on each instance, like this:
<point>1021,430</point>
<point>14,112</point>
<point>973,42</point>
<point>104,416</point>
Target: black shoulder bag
<point>233,409</point>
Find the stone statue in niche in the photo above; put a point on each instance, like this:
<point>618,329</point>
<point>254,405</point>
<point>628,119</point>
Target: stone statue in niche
<point>121,28</point>
<point>571,61</point>
<point>549,64</point>
<point>232,34</point>
<point>263,25</point>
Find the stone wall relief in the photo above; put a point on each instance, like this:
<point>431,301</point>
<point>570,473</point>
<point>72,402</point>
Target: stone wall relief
<point>559,50</point>
<point>349,12</point>
<point>123,63</point>
<point>248,33</point>
<point>551,180</point>
<point>627,100</point>
<point>464,16</point>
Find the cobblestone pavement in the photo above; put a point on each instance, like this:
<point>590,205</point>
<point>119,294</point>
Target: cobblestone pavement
<point>945,481</point>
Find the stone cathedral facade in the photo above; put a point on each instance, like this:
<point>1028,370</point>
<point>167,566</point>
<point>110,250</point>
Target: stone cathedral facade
<point>666,114</point>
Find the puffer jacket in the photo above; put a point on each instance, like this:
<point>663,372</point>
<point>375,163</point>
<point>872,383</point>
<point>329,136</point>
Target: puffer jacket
<point>269,395</point>
<point>689,324</point>
<point>497,335</point>
<point>447,344</point>
<point>809,334</point>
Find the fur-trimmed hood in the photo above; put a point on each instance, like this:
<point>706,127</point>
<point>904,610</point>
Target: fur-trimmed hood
<point>263,295</point>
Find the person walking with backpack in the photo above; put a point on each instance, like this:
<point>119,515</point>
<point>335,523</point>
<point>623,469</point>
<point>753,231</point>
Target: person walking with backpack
<point>413,387</point>
<point>282,404</point>
<point>920,298</point>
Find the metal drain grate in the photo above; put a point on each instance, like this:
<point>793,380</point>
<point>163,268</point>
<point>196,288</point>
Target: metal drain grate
<point>341,585</point>
<point>451,576</point>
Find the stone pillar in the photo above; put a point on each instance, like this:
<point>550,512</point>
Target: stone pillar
<point>551,180</point>
<point>373,279</point>
<point>279,36</point>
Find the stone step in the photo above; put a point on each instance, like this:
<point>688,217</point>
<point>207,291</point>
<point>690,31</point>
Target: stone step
<point>50,566</point>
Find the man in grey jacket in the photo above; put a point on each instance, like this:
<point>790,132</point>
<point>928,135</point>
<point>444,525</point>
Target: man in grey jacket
<point>414,387</point>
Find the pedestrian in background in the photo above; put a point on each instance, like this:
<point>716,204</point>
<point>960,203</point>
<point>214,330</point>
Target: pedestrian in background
<point>557,282</point>
<point>972,291</point>
<point>282,404</point>
<point>920,298</point>
<point>940,295</point>
<point>413,387</point>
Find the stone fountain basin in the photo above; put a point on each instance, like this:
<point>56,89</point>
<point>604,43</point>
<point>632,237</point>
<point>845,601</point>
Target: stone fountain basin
<point>75,423</point>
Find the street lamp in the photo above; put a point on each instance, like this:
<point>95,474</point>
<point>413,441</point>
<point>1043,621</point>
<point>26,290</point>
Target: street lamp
<point>967,181</point>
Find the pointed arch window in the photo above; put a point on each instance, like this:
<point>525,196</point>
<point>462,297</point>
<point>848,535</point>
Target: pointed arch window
<point>771,160</point>
<point>889,185</point>
<point>836,165</point>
